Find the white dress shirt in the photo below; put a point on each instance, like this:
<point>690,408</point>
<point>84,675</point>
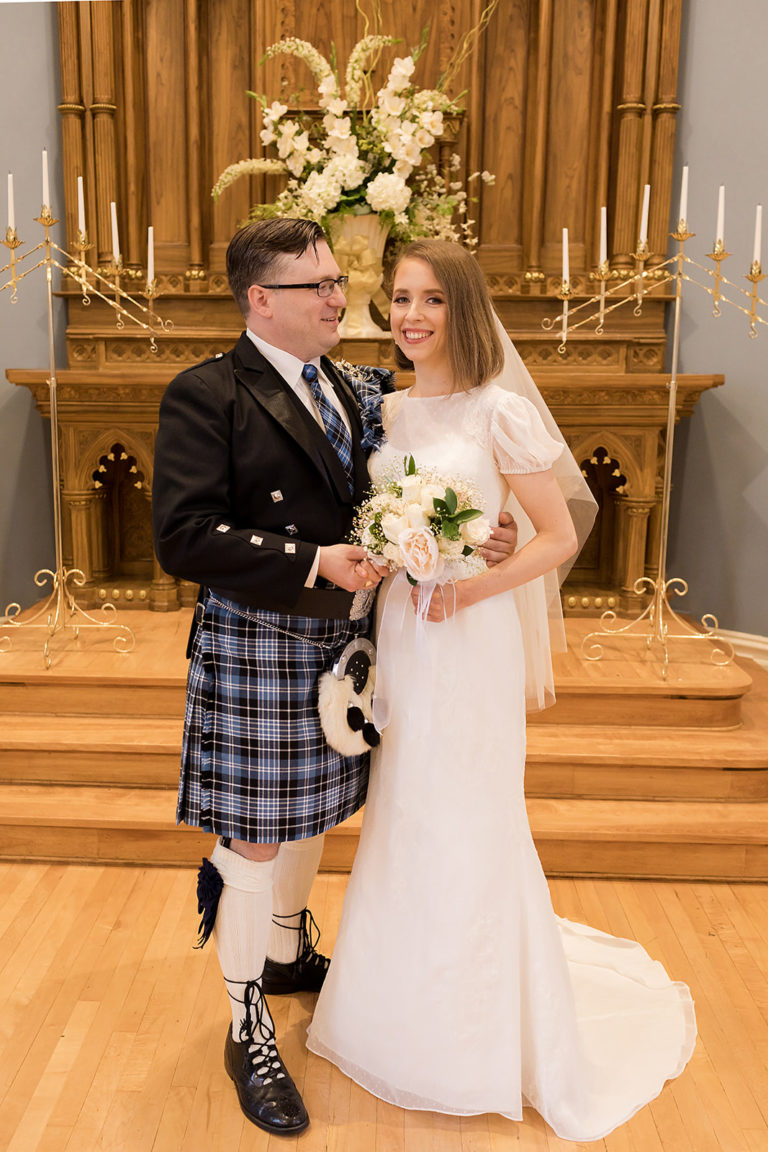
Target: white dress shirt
<point>290,368</point>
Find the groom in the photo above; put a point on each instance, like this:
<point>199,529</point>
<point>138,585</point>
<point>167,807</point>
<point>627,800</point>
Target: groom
<point>259,464</point>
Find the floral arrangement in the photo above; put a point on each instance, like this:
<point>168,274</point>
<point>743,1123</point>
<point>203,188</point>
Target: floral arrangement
<point>424,523</point>
<point>365,153</point>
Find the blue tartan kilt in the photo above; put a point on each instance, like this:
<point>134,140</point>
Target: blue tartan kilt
<point>255,763</point>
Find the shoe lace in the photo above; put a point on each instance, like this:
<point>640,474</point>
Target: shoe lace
<point>309,936</point>
<point>257,1031</point>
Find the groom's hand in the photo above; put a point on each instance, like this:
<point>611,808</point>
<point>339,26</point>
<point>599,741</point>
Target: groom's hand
<point>503,541</point>
<point>347,566</point>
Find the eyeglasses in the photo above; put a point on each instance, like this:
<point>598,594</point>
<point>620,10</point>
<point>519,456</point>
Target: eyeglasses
<point>322,287</point>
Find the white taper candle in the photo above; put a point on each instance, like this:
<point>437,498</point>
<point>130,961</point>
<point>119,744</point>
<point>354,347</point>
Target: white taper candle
<point>115,237</point>
<point>80,206</point>
<point>46,186</point>
<point>603,234</point>
<point>644,214</point>
<point>150,254</point>
<point>566,268</point>
<point>720,230</point>
<point>11,212</point>
<point>683,214</point>
<point>758,234</point>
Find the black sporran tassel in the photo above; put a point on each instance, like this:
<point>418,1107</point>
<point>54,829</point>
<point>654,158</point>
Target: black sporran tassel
<point>209,886</point>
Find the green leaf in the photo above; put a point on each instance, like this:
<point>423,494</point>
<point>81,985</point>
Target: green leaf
<point>410,466</point>
<point>440,506</point>
<point>467,515</point>
<point>466,550</point>
<point>410,578</point>
<point>451,530</point>
<point>451,500</point>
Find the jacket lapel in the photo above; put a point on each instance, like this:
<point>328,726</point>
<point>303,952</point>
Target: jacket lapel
<point>272,393</point>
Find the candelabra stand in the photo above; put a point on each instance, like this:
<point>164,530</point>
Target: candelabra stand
<point>658,623</point>
<point>60,612</point>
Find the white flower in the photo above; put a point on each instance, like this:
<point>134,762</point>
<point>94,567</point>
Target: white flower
<point>432,122</point>
<point>267,136</point>
<point>475,532</point>
<point>423,138</point>
<point>416,517</point>
<point>392,525</point>
<point>450,549</point>
<point>387,191</point>
<point>327,86</point>
<point>487,177</point>
<point>430,493</point>
<point>391,552</point>
<point>420,555</point>
<point>400,74</point>
<point>337,107</point>
<point>390,104</point>
<point>275,111</point>
<point>343,146</point>
<point>411,487</point>
<point>348,170</point>
<point>403,169</point>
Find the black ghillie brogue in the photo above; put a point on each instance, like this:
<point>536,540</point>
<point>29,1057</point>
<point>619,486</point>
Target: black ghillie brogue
<point>304,974</point>
<point>267,1094</point>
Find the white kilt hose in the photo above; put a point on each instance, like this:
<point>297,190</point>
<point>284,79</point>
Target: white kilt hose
<point>255,763</point>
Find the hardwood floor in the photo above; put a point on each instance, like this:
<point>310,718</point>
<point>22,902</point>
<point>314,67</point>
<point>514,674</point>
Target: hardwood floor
<point>112,1025</point>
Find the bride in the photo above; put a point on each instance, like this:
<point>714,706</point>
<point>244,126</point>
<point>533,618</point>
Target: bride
<point>453,986</point>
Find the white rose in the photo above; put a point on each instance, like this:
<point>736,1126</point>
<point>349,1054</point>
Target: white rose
<point>475,532</point>
<point>430,493</point>
<point>415,516</point>
<point>411,486</point>
<point>450,549</point>
<point>420,555</point>
<point>392,526</point>
<point>391,552</point>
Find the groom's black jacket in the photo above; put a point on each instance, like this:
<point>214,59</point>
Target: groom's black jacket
<point>246,483</point>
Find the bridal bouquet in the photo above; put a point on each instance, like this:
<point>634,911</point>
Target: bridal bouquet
<point>424,523</point>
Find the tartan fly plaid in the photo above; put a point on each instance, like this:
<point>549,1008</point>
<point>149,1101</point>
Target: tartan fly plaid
<point>255,764</point>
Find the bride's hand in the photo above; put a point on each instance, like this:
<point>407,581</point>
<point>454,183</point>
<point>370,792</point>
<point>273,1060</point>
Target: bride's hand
<point>502,542</point>
<point>446,601</point>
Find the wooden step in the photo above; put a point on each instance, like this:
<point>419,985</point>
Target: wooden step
<point>672,839</point>
<point>563,760</point>
<point>625,687</point>
<point>95,750</point>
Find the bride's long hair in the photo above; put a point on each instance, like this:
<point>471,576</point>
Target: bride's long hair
<point>474,349</point>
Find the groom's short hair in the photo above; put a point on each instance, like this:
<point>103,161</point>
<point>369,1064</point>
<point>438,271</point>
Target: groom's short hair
<point>255,249</point>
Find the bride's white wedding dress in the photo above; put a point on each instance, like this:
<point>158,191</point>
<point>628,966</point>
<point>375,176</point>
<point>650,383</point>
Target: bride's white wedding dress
<point>453,986</point>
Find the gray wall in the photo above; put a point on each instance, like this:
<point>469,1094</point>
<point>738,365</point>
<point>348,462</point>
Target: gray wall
<point>719,510</point>
<point>29,94</point>
<point>719,517</point>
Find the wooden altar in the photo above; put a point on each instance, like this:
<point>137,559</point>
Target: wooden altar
<point>571,104</point>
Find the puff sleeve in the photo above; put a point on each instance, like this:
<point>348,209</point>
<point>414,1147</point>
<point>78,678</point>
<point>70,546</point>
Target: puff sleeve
<point>519,441</point>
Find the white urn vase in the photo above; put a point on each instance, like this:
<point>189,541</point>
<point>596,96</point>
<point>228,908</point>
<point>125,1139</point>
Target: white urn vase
<point>358,245</point>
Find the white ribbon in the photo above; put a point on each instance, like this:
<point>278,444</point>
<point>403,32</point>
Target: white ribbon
<point>390,627</point>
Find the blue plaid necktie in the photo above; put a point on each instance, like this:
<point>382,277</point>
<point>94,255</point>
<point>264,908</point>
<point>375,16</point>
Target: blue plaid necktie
<point>335,428</point>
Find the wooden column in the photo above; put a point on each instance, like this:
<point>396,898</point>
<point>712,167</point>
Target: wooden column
<point>72,109</point>
<point>533,205</point>
<point>630,110</point>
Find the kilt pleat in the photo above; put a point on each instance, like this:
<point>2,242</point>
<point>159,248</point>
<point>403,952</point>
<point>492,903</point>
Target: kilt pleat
<point>255,763</point>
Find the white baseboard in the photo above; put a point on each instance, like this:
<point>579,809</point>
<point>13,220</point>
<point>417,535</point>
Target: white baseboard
<point>745,644</point>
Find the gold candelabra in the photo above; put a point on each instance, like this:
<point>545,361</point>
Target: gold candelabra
<point>658,623</point>
<point>60,611</point>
